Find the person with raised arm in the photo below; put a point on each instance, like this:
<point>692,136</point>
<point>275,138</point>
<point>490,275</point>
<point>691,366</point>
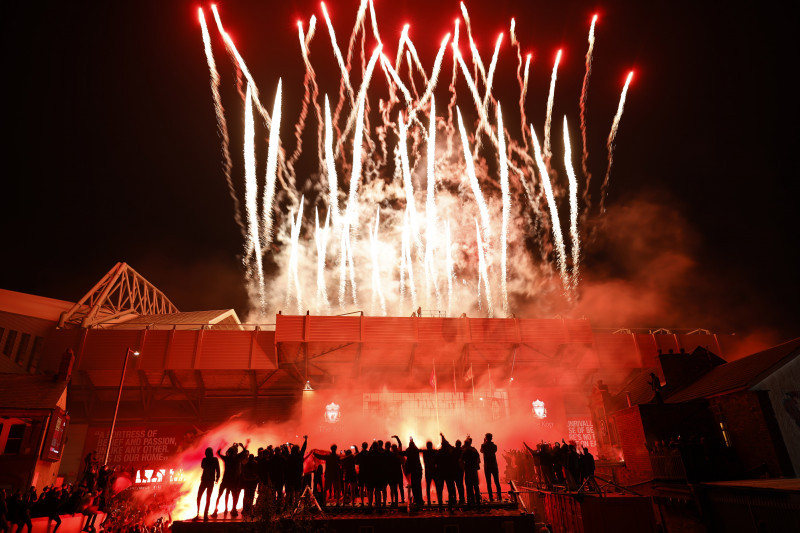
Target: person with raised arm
<point>208,479</point>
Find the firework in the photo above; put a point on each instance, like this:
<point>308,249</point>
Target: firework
<point>551,96</point>
<point>584,93</point>
<point>610,144</point>
<point>379,148</point>
<point>573,207</point>
<point>222,124</point>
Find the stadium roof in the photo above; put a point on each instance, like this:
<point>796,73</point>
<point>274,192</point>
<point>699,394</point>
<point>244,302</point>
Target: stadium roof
<point>740,374</point>
<point>185,320</point>
<point>20,303</point>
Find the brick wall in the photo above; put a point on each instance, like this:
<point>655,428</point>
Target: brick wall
<point>751,436</point>
<point>634,444</point>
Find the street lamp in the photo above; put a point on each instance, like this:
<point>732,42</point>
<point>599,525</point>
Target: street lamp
<point>128,353</point>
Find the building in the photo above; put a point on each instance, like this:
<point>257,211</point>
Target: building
<point>33,420</point>
<point>199,369</point>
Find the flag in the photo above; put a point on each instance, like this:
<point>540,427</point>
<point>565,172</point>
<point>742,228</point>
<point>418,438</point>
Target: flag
<point>433,377</point>
<point>468,376</point>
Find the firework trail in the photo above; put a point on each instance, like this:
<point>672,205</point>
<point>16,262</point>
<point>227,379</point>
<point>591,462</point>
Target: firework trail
<point>547,152</point>
<point>321,241</point>
<point>561,253</point>
<point>330,165</point>
<point>506,199</point>
<point>473,180</point>
<point>403,37</point>
<point>434,79</point>
<point>388,66</point>
<point>449,267</point>
<point>374,22</point>
<point>483,273</point>
<point>452,88</point>
<point>474,91</point>
<point>476,56</point>
<point>431,277</point>
<point>362,95</point>
<point>584,93</point>
<point>252,243</point>
<point>610,144</point>
<point>272,168</point>
<point>520,80</point>
<point>312,28</point>
<point>411,75</point>
<point>293,277</point>
<point>338,54</point>
<point>417,61</point>
<point>309,85</point>
<point>374,244</point>
<point>522,94</point>
<point>289,186</point>
<point>490,76</point>
<point>408,185</point>
<point>222,124</point>
<point>242,65</point>
<point>350,221</point>
<point>409,262</point>
<point>573,208</point>
<point>359,25</point>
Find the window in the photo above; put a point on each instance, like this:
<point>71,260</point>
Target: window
<point>22,348</point>
<point>10,340</point>
<point>15,434</point>
<point>726,437</point>
<point>36,352</point>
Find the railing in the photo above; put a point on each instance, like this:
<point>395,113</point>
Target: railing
<point>203,326</point>
<point>667,464</point>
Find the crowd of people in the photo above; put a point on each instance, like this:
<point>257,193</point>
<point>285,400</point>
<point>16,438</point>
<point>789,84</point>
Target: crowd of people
<point>560,464</point>
<point>18,508</point>
<point>373,475</point>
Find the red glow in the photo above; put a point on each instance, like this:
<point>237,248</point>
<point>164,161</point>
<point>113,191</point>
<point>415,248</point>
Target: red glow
<point>629,77</point>
<point>594,18</point>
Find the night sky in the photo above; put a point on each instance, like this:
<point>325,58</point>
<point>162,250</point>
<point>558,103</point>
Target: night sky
<point>111,151</point>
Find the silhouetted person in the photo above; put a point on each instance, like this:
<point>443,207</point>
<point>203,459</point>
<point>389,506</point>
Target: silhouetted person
<point>350,477</point>
<point>249,483</point>
<point>396,473</point>
<point>51,504</point>
<point>5,526</point>
<point>573,466</point>
<point>655,384</point>
<point>414,470</point>
<point>458,451</point>
<point>587,464</point>
<point>489,451</point>
<point>361,460</point>
<point>210,476</point>
<point>333,473</point>
<point>447,468</point>
<point>294,469</point>
<point>472,465</point>
<point>375,483</point>
<point>231,478</point>
<point>429,459</point>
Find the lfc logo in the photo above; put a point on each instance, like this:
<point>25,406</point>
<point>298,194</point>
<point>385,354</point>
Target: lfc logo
<point>332,414</point>
<point>538,409</point>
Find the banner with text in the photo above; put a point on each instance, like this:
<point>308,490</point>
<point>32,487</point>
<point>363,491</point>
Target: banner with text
<point>138,446</point>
